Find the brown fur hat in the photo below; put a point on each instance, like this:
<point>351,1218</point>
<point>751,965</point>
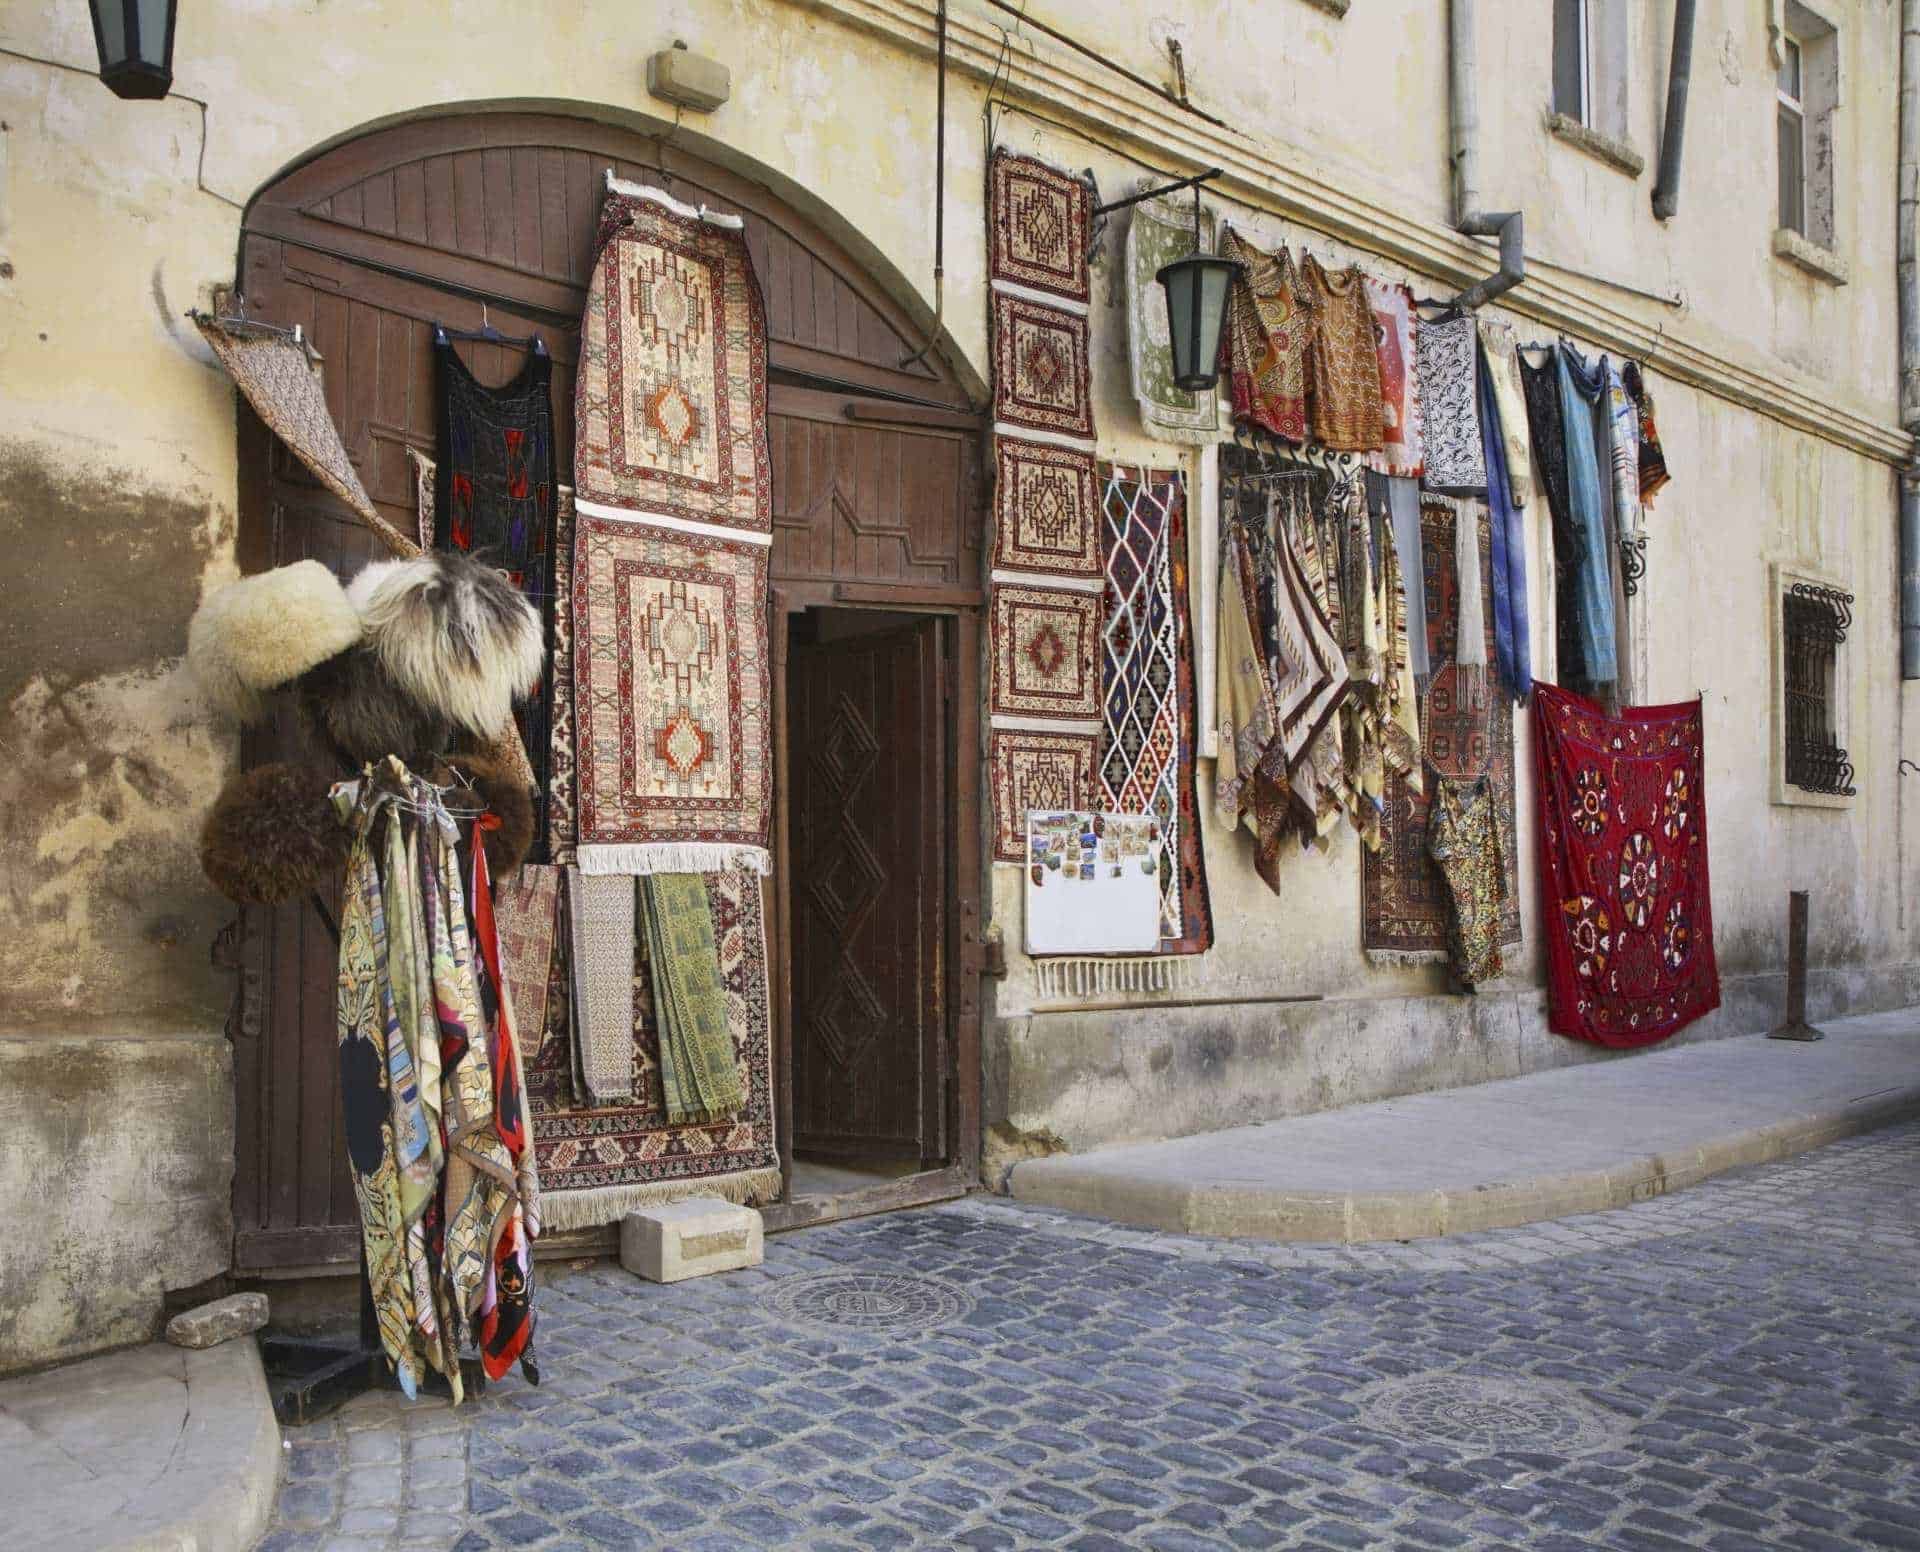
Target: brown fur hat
<point>272,835</point>
<point>508,842</point>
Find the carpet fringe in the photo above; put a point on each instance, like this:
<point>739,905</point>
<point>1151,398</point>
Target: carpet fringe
<point>1097,977</point>
<point>561,1211</point>
<point>673,857</point>
<point>1406,958</point>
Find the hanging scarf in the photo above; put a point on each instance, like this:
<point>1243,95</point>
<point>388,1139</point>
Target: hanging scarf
<point>1511,628</point>
<point>1541,387</point>
<point>422,1039</point>
<point>1396,327</point>
<point>1500,360</point>
<point>1582,390</point>
<point>1653,461</point>
<point>1449,407</point>
<point>1265,343</point>
<point>1343,363</point>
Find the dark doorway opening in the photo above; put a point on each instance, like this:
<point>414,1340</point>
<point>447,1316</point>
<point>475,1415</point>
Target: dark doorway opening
<point>868,761</point>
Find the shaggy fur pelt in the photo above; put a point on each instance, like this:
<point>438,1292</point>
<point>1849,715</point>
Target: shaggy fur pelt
<point>359,715</point>
<point>454,634</point>
<point>265,631</point>
<point>508,842</point>
<point>272,835</point>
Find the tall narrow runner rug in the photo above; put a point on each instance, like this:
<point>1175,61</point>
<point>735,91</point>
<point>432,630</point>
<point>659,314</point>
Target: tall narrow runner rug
<point>1044,624</point>
<point>1146,760</point>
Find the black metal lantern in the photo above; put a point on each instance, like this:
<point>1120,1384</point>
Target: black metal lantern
<point>135,41</point>
<point>1196,290</point>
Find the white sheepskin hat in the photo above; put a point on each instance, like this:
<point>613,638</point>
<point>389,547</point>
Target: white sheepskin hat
<point>267,630</point>
<point>453,633</point>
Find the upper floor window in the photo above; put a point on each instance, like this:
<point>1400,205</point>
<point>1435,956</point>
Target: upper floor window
<point>1590,52</point>
<point>1792,126</point>
<point>1806,116</point>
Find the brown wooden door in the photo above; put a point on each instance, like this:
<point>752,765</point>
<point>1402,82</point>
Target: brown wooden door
<point>367,246</point>
<point>867,758</point>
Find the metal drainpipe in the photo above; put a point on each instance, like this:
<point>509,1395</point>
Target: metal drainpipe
<point>1464,132</point>
<point>1666,189</point>
<point>1908,214</point>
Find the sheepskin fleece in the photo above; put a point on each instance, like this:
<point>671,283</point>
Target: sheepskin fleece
<point>359,715</point>
<point>508,842</point>
<point>272,836</point>
<point>455,634</point>
<point>265,631</point>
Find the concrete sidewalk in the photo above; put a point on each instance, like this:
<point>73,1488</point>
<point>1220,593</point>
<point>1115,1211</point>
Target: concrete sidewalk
<point>1576,1140</point>
<point>148,1449</point>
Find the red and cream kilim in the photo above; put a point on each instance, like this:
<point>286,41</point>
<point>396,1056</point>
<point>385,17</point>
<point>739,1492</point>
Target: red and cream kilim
<point>670,401</point>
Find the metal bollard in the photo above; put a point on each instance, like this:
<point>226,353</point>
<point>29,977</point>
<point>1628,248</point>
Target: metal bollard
<point>1796,1027</point>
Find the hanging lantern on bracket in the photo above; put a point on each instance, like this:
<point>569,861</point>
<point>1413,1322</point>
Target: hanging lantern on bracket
<point>135,42</point>
<point>1196,289</point>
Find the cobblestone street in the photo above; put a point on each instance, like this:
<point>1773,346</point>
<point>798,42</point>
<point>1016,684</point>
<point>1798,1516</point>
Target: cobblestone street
<point>1736,1367</point>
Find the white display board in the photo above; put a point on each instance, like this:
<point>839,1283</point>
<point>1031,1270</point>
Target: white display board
<point>1093,882</point>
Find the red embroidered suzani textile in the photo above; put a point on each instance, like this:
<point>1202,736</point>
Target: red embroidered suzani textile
<point>1623,868</point>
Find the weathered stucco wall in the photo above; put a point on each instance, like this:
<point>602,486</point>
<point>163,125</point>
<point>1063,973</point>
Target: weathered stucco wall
<point>118,497</point>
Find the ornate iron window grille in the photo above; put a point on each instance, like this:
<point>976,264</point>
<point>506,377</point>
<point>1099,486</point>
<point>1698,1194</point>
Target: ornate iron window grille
<point>1815,621</point>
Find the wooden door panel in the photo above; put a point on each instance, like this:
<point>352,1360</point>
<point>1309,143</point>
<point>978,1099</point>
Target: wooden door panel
<point>865,752</point>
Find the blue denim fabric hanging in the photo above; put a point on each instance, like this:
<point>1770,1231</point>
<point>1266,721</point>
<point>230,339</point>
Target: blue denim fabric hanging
<point>1512,641</point>
<point>1582,388</point>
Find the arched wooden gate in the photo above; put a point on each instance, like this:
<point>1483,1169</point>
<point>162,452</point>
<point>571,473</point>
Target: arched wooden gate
<point>877,568</point>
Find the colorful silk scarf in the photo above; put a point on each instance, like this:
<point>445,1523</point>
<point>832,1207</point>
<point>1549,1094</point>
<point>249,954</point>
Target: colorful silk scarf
<point>1396,325</point>
<point>1582,389</point>
<point>432,1089</point>
<point>1627,907</point>
<point>1343,364</point>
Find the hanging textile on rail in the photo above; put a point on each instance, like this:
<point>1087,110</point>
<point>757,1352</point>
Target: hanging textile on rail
<point>1396,324</point>
<point>1589,488</point>
<point>1147,755</point>
<point>1467,734</point>
<point>1343,361</point>
<point>1623,448</point>
<point>1265,343</point>
<point>1463,839</point>
<point>1512,630</point>
<point>1625,896</point>
<point>494,496</point>
<point>432,1088</point>
<point>1159,232</point>
<point>1540,385</point>
<point>1044,617</point>
<point>1653,461</point>
<point>1449,407</point>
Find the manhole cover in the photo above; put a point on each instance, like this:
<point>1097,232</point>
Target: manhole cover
<point>1490,1414</point>
<point>871,1301</point>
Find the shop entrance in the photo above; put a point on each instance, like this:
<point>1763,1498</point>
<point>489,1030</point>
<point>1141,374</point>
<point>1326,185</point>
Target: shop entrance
<point>867,769</point>
<point>878,492</point>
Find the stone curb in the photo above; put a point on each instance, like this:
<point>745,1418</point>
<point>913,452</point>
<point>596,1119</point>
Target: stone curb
<point>1237,1212</point>
<point>221,1496</point>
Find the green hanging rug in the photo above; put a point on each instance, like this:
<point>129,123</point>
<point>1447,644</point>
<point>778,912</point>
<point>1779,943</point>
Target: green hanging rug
<point>698,1072</point>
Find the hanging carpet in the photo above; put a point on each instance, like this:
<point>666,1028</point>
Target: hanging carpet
<point>1466,732</point>
<point>671,699</point>
<point>1043,690</point>
<point>1625,900</point>
<point>599,1162</point>
<point>1146,761</point>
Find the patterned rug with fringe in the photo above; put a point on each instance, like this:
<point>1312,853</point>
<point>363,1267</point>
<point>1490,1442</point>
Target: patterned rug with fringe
<point>596,1165</point>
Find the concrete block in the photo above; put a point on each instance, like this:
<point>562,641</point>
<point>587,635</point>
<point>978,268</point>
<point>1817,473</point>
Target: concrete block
<point>690,1239</point>
<point>689,79</point>
<point>239,1314</point>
